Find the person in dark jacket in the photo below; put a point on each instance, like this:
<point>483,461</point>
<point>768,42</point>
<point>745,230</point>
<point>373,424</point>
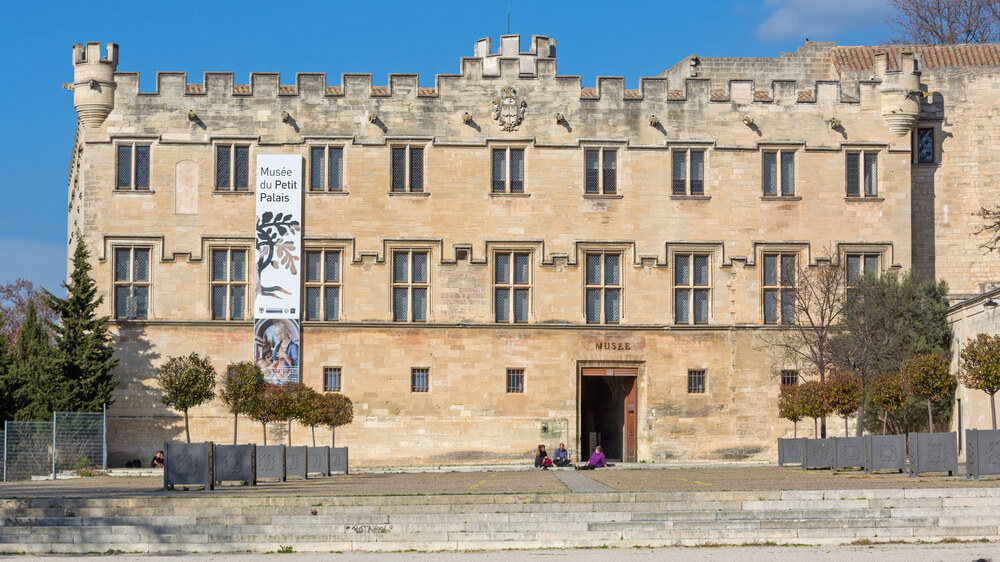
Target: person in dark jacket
<point>542,458</point>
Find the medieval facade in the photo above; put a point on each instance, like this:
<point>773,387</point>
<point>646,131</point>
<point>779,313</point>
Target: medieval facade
<point>508,257</point>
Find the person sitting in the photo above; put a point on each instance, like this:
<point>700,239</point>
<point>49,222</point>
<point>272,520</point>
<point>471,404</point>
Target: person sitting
<point>561,456</point>
<point>542,460</point>
<point>596,461</point>
<point>157,461</point>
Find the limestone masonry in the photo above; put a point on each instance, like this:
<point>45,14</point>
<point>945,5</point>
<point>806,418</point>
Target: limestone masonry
<point>509,258</point>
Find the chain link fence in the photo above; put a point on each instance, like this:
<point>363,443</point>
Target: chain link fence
<point>72,441</point>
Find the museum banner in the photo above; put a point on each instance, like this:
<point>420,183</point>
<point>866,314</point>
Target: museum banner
<point>278,245</point>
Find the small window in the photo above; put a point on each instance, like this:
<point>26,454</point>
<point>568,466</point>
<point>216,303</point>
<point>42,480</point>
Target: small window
<point>512,286</point>
<point>691,288</point>
<point>685,183</point>
<point>322,280</point>
<point>925,146</point>
<point>779,288</point>
<point>131,283</point>
<point>859,265</point>
<point>507,171</point>
<point>603,288</point>
<point>419,380</point>
<point>601,171</point>
<point>515,381</point>
<point>779,173</point>
<point>407,169</point>
<point>132,167</point>
<point>789,377</point>
<point>862,174</point>
<point>696,382</point>
<point>232,167</point>
<point>229,284</point>
<point>331,379</point>
<point>409,286</point>
<point>326,168</point>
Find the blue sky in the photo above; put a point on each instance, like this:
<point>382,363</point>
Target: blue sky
<point>379,37</point>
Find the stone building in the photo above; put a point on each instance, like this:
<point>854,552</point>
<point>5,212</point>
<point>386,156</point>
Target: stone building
<point>509,257</point>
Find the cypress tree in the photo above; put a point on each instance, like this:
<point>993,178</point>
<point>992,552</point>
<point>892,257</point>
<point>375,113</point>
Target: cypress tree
<point>32,375</point>
<point>5,397</point>
<point>83,342</point>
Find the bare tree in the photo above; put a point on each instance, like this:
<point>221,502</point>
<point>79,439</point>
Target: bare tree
<point>805,346</point>
<point>943,22</point>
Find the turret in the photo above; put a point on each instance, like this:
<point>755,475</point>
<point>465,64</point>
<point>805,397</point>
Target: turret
<point>900,92</point>
<point>94,81</point>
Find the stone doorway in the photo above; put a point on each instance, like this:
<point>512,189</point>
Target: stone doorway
<point>608,412</point>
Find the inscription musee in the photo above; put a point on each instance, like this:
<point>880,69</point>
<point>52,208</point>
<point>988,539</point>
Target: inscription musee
<point>613,346</point>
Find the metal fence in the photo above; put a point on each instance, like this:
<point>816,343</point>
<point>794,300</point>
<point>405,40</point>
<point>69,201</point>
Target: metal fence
<point>72,441</point>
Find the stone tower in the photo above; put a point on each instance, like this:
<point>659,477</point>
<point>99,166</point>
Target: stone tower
<point>94,82</point>
<point>900,91</point>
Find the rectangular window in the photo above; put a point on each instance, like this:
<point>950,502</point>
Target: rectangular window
<point>861,264</point>
<point>696,382</point>
<point>925,146</point>
<point>691,288</point>
<point>515,381</point>
<point>603,288</point>
<point>409,286</point>
<point>862,174</point>
<point>779,173</point>
<point>331,379</point>
<point>229,284</point>
<point>684,183</point>
<point>779,288</point>
<point>132,166</point>
<point>131,283</point>
<point>407,169</point>
<point>789,377</point>
<point>507,175</point>
<point>232,167</point>
<point>511,286</point>
<point>326,168</point>
<point>322,280</point>
<point>419,380</point>
<point>601,171</point>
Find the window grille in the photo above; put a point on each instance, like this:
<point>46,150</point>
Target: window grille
<point>229,277</point>
<point>789,377</point>
<point>131,283</point>
<point>691,288</point>
<point>696,382</point>
<point>511,286</point>
<point>515,381</point>
<point>409,286</point>
<point>419,380</point>
<point>322,280</point>
<point>132,166</point>
<point>862,172</point>
<point>600,171</point>
<point>925,146</point>
<point>331,379</point>
<point>779,173</point>
<point>232,167</point>
<point>779,288</point>
<point>407,169</point>
<point>326,168</point>
<point>603,288</point>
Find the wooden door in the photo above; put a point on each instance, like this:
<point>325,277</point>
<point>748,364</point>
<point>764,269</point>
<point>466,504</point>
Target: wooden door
<point>630,421</point>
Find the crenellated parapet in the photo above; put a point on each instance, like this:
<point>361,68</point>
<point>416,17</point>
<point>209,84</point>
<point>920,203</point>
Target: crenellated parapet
<point>94,81</point>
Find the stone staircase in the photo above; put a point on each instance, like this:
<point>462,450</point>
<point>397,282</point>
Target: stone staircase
<point>216,522</point>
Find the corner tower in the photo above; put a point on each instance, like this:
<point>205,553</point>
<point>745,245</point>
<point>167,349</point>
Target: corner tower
<point>94,82</point>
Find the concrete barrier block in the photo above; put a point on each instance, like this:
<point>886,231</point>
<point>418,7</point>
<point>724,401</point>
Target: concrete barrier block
<point>789,451</point>
<point>318,460</point>
<point>982,452</point>
<point>848,452</point>
<point>816,453</point>
<point>933,452</point>
<point>885,452</point>
<point>296,462</point>
<point>188,464</point>
<point>338,459</point>
<point>271,462</point>
<point>235,463</point>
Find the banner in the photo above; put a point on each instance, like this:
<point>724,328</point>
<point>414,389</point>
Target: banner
<point>278,256</point>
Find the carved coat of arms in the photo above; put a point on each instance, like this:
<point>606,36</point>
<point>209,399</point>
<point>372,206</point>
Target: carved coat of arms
<point>508,109</point>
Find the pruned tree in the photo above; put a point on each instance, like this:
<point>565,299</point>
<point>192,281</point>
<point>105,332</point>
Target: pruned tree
<point>844,393</point>
<point>818,303</point>
<point>82,342</point>
<point>270,407</point>
<point>341,413</point>
<point>813,402</point>
<point>186,381</point>
<point>945,22</point>
<point>889,394</point>
<point>297,399</point>
<point>788,406</point>
<point>927,377</point>
<point>242,387</point>
<point>14,299</point>
<point>979,367</point>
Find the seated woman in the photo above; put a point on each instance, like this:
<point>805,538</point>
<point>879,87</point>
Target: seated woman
<point>562,456</point>
<point>542,458</point>
<point>596,461</point>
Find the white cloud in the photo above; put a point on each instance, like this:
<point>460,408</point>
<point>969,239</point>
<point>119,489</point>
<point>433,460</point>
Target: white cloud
<point>817,19</point>
<point>39,262</point>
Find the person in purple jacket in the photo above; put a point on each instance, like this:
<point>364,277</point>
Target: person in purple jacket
<point>596,461</point>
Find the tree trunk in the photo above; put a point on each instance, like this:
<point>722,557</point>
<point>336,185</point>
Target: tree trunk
<point>289,433</point>
<point>333,436</point>
<point>822,428</point>
<point>815,430</point>
<point>859,431</point>
<point>930,417</point>
<point>187,430</point>
<point>885,420</point>
<point>314,435</point>
<point>236,418</point>
<point>264,425</point>
<point>795,430</point>
<point>845,427</point>
<point>993,408</point>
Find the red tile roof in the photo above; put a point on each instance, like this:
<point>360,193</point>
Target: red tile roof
<point>931,56</point>
<point>334,90</point>
<point>283,89</point>
<point>426,91</point>
<point>588,93</point>
<point>194,88</point>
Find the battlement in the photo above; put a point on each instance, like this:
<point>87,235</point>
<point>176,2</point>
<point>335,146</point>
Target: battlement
<point>90,53</point>
<point>541,47</point>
